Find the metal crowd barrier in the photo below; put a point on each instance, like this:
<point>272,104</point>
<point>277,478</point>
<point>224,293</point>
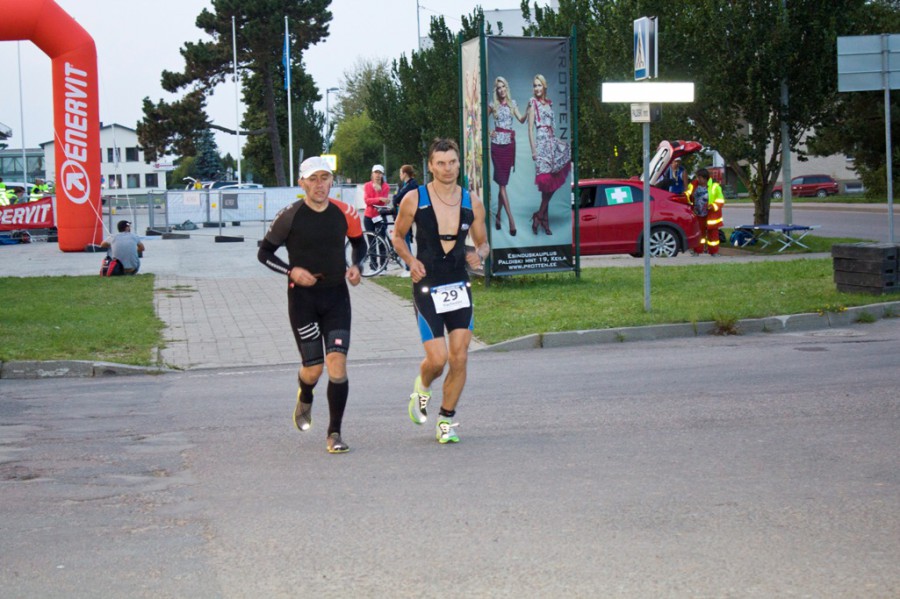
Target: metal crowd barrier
<point>173,210</point>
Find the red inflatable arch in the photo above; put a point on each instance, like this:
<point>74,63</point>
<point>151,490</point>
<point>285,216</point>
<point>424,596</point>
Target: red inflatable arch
<point>76,113</point>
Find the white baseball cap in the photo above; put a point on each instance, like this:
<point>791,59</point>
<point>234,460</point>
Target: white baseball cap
<point>378,168</point>
<point>312,165</point>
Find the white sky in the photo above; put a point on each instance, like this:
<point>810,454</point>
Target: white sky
<point>137,39</point>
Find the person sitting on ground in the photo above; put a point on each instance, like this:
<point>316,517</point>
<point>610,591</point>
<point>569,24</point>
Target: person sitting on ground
<point>126,247</point>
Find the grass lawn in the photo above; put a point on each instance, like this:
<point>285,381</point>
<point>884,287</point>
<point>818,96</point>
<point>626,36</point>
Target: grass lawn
<point>614,297</point>
<point>79,318</point>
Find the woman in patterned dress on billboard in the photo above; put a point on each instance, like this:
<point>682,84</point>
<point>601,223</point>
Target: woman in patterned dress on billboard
<point>552,157</point>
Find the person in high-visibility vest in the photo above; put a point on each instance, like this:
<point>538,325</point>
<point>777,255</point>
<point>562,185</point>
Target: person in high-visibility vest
<point>38,191</point>
<point>4,197</point>
<point>16,195</point>
<point>707,201</point>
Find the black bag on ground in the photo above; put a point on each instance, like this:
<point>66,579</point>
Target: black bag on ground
<point>111,267</point>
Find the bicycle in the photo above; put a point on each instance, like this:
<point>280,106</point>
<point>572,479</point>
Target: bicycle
<point>380,252</point>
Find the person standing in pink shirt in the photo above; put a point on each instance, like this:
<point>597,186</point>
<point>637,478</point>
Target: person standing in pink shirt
<point>376,194</point>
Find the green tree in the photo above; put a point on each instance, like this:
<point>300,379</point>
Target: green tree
<point>737,55</point>
<point>260,39</point>
<point>356,143</point>
<point>209,164</point>
<point>357,147</point>
<point>307,124</point>
<point>354,87</point>
<point>185,167</point>
<point>858,127</point>
<point>171,128</point>
<point>419,99</point>
<point>229,165</point>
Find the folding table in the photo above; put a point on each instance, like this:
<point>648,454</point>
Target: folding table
<point>784,234</point>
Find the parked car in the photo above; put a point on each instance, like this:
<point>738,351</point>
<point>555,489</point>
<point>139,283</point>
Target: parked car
<point>819,186</point>
<point>235,185</point>
<point>191,184</point>
<point>611,213</point>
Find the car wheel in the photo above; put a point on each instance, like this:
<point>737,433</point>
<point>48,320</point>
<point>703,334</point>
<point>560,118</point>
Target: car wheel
<point>663,243</point>
<point>776,195</point>
<point>821,194</point>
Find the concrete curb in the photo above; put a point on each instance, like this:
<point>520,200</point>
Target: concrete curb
<point>774,324</point>
<point>36,369</point>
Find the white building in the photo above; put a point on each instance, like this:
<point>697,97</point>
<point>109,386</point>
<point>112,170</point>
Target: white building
<point>122,167</point>
<point>837,166</point>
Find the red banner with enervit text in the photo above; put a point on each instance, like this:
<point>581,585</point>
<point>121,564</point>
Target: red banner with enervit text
<point>33,215</point>
<point>76,113</point>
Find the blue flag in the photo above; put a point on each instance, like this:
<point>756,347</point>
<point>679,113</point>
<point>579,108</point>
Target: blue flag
<point>286,61</point>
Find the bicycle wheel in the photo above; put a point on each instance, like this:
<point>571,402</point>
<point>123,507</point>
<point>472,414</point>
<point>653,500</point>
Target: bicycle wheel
<point>376,259</point>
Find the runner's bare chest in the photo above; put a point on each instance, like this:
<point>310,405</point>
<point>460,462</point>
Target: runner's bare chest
<point>447,213</point>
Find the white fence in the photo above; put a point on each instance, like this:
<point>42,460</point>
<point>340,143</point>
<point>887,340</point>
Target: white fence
<point>173,209</point>
<point>233,206</point>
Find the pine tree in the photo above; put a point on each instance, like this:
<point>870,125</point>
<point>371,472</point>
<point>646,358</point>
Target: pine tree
<point>209,164</point>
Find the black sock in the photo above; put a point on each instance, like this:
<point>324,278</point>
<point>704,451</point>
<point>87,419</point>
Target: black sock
<point>448,413</point>
<point>306,390</point>
<point>337,401</point>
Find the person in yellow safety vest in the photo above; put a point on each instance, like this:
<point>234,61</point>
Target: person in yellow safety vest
<point>4,198</point>
<point>13,195</point>
<point>39,190</point>
<point>707,201</point>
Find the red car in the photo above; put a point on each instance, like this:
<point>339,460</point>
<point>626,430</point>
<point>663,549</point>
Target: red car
<point>819,186</point>
<point>611,213</point>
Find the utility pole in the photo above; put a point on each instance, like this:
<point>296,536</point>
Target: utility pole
<point>785,141</point>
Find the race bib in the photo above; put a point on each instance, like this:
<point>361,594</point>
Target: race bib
<point>448,298</point>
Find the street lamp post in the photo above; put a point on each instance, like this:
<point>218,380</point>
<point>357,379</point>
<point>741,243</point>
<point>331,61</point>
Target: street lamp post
<point>328,116</point>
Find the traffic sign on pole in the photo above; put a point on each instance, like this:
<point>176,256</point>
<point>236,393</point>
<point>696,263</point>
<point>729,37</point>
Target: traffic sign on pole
<point>645,51</point>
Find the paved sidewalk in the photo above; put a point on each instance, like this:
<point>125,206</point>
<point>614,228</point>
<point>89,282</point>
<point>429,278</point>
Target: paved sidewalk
<point>219,322</point>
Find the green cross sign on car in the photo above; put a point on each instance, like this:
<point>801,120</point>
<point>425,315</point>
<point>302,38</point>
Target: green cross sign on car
<point>618,195</point>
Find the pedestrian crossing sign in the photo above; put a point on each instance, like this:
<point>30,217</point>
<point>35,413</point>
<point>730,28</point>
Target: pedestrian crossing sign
<point>618,195</point>
<point>645,58</point>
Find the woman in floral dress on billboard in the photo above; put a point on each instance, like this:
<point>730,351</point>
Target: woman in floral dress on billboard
<point>552,157</point>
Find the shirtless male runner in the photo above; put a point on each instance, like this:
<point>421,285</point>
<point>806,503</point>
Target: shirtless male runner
<point>444,215</point>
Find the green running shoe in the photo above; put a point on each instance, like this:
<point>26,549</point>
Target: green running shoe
<point>445,431</point>
<point>302,414</point>
<point>418,401</point>
<point>336,445</point>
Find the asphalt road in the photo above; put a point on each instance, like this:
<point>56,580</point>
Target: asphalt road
<point>758,466</point>
<point>860,221</point>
